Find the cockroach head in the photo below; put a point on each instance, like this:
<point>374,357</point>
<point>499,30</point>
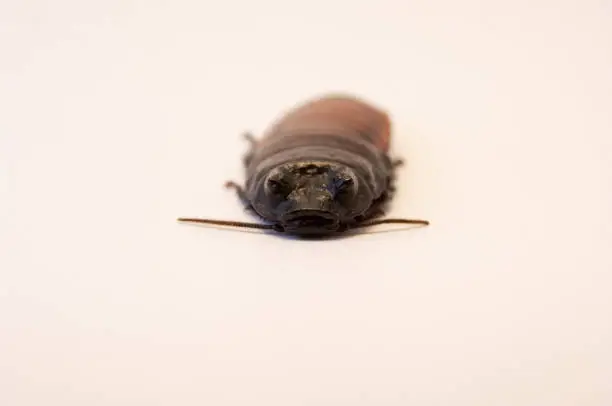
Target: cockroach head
<point>312,197</point>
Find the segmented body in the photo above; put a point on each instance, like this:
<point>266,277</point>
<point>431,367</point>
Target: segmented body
<point>335,128</point>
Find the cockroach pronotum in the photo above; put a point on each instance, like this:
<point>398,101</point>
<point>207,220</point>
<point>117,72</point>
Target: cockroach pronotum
<point>322,168</point>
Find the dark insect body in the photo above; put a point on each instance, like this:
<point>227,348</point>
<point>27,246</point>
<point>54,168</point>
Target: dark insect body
<point>322,168</point>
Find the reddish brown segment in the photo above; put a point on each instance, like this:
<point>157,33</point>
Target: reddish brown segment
<point>338,115</point>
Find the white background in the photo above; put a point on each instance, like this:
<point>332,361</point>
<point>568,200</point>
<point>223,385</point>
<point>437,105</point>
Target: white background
<point>116,117</point>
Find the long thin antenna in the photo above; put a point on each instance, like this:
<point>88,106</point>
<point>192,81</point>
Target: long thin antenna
<point>390,221</point>
<point>239,224</point>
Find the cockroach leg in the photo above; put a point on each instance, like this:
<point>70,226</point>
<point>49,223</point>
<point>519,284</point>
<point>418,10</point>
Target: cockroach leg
<point>239,191</point>
<point>246,160</point>
<point>396,163</point>
<point>242,196</point>
<point>250,138</point>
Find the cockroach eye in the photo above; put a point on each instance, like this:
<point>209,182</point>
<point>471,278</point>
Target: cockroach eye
<point>343,185</point>
<point>278,187</point>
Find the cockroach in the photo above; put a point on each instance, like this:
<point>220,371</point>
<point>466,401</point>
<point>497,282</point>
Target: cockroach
<point>321,168</point>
